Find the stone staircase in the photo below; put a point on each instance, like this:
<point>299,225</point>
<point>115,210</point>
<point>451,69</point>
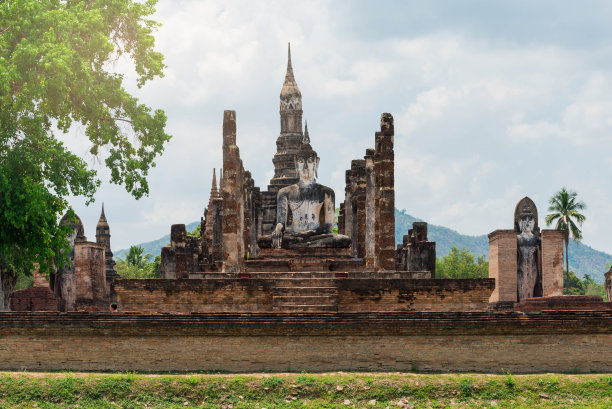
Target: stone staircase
<point>305,292</point>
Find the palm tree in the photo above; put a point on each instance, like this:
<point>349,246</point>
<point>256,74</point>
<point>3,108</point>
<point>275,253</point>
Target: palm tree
<point>135,257</point>
<point>566,212</point>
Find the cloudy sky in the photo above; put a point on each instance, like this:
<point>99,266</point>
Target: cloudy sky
<point>492,101</point>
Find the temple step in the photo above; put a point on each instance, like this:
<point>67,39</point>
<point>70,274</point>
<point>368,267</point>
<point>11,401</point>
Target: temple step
<point>305,300</point>
<point>306,308</point>
<point>304,291</point>
<point>304,282</point>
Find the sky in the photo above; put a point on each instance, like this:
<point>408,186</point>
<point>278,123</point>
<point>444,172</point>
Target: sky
<point>492,101</point>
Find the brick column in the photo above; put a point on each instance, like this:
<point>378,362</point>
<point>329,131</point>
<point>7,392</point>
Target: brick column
<point>384,242</point>
<point>231,194</point>
<point>370,206</point>
<point>358,195</point>
<point>348,206</point>
<point>552,263</point>
<point>503,265</point>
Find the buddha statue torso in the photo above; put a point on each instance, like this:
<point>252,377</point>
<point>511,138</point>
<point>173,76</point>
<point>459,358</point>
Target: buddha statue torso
<point>311,206</point>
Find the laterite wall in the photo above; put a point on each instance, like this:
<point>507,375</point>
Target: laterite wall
<point>476,341</point>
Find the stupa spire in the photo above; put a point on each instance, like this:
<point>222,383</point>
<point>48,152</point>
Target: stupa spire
<point>289,67</point>
<point>290,93</point>
<point>306,138</point>
<point>102,216</point>
<point>213,189</point>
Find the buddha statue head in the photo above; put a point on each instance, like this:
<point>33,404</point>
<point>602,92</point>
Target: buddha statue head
<point>306,162</point>
<point>526,217</point>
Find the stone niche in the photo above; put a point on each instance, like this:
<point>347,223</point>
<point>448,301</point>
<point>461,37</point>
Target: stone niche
<point>525,262</point>
<point>417,254</point>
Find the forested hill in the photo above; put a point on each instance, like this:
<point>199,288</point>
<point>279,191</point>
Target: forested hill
<point>583,259</point>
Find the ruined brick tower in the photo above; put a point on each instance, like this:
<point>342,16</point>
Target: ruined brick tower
<point>103,237</point>
<point>291,132</point>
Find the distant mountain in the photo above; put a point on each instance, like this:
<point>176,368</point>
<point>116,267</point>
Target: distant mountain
<point>583,259</point>
<point>154,247</point>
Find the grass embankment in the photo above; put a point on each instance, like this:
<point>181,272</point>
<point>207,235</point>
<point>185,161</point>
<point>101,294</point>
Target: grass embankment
<point>338,390</point>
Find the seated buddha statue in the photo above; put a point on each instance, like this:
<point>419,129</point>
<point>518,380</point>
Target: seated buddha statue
<point>311,206</point>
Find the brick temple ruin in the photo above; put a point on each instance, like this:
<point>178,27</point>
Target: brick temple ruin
<point>272,277</point>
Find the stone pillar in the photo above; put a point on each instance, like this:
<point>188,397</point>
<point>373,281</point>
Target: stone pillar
<point>370,206</point>
<point>358,196</point>
<point>178,242</point>
<point>503,265</point>
<point>341,219</point>
<point>232,196</point>
<point>385,196</point>
<point>168,265</point>
<point>552,263</point>
<point>348,206</point>
<point>217,231</point>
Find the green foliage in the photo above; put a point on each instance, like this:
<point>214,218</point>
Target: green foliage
<point>196,232</point>
<point>565,213</point>
<point>461,264</point>
<point>137,265</point>
<point>573,285</point>
<point>54,72</point>
<point>135,257</point>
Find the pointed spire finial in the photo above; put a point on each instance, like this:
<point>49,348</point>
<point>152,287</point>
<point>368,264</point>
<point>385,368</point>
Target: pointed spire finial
<point>213,189</point>
<point>102,215</point>
<point>306,138</point>
<point>289,67</point>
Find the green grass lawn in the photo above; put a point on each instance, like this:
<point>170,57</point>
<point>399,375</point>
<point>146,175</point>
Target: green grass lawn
<point>334,390</point>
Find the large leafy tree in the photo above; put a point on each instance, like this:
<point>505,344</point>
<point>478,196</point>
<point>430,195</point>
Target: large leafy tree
<point>461,263</point>
<point>56,71</point>
<point>565,213</point>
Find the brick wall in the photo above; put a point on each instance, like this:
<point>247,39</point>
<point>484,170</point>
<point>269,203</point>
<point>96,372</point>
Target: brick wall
<point>362,295</point>
<point>185,296</point>
<point>34,299</point>
<point>467,341</point>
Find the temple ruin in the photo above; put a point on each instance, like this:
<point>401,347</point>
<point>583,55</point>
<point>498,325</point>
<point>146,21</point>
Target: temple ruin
<point>276,277</point>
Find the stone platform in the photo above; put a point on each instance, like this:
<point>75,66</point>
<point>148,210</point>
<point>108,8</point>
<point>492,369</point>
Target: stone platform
<point>563,302</point>
<point>340,291</point>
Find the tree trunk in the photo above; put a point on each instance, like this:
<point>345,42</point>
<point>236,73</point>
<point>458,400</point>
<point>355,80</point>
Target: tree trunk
<point>566,256</point>
<point>7,284</point>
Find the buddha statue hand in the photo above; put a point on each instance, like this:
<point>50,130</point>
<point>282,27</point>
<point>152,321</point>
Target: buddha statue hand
<point>277,236</point>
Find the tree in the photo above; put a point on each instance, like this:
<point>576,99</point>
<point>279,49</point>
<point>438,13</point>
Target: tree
<point>56,58</point>
<point>566,215</point>
<point>141,269</point>
<point>460,264</point>
<point>136,257</point>
<point>572,285</point>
